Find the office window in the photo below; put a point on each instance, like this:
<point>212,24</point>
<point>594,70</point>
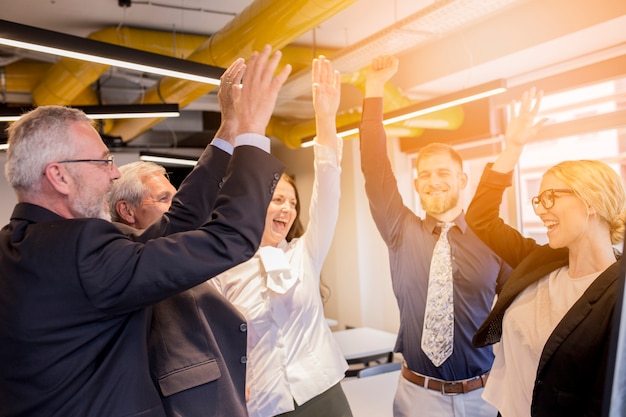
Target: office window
<point>569,111</point>
<point>585,123</point>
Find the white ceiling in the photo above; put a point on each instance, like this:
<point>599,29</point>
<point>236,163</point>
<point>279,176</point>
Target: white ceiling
<point>444,45</point>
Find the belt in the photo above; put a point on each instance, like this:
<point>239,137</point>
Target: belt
<point>445,387</point>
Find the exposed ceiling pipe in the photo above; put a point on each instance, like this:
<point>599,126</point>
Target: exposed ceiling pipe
<point>292,134</point>
<point>275,22</point>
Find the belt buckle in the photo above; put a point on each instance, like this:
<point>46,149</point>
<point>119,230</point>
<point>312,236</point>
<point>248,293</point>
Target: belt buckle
<point>443,389</point>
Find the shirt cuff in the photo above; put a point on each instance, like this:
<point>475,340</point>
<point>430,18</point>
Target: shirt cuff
<point>223,145</point>
<point>327,153</point>
<point>253,139</point>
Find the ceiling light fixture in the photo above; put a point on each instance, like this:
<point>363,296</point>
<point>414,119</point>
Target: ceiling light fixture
<point>164,159</point>
<point>439,103</point>
<point>61,44</point>
<point>120,111</point>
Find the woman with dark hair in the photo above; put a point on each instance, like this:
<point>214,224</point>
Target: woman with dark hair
<point>294,365</point>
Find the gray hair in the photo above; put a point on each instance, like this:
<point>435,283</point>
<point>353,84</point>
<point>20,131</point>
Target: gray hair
<point>130,187</point>
<point>38,138</point>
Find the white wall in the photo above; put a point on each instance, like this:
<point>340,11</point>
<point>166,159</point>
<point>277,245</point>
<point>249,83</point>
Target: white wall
<point>357,267</point>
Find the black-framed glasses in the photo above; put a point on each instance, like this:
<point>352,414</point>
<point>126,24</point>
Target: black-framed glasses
<point>546,198</point>
<point>108,161</point>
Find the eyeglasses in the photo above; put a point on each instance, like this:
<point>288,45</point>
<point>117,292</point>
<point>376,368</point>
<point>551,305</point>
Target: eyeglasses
<point>108,162</point>
<point>546,198</point>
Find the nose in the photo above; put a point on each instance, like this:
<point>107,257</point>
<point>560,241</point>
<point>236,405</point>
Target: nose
<point>114,172</point>
<point>539,209</point>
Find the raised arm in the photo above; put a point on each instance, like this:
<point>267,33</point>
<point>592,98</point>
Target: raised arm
<point>520,130</point>
<point>226,98</point>
<point>326,94</point>
<point>255,97</point>
<point>380,71</point>
<point>324,206</point>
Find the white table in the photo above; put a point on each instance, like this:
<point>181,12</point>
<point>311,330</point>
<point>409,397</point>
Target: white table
<point>371,396</point>
<point>363,342</point>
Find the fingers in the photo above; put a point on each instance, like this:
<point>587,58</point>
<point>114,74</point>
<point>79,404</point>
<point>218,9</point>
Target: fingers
<point>323,72</point>
<point>233,73</point>
<point>256,95</point>
<point>384,62</point>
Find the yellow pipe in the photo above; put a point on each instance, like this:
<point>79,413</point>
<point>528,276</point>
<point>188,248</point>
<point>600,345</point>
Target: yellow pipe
<point>274,22</point>
<point>23,76</point>
<point>293,133</point>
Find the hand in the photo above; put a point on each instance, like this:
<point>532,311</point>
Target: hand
<point>521,128</point>
<point>326,88</point>
<point>226,98</point>
<point>256,97</point>
<point>380,71</point>
<point>326,97</point>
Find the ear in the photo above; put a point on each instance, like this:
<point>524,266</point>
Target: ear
<point>59,178</point>
<point>126,212</point>
<point>462,180</point>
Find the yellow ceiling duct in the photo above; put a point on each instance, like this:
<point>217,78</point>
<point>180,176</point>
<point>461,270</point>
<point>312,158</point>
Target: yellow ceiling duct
<point>292,134</point>
<point>275,22</point>
<point>22,76</point>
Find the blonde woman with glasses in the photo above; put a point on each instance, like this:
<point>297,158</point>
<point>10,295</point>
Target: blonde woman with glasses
<point>553,317</point>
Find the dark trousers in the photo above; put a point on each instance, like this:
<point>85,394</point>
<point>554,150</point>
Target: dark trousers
<point>330,403</point>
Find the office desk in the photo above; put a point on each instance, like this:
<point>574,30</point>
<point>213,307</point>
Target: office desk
<point>371,396</point>
<point>364,342</point>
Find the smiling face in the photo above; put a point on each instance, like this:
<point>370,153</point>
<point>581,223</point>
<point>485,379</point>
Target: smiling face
<point>439,183</point>
<point>281,213</point>
<point>568,219</point>
<point>156,200</point>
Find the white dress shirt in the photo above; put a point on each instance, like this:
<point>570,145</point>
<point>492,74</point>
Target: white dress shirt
<point>292,354</point>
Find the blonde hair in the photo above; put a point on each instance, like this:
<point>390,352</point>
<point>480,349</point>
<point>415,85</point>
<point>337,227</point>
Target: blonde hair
<point>599,186</point>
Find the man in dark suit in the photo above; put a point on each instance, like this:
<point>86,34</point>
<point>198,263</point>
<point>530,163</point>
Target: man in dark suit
<point>197,342</point>
<point>74,289</point>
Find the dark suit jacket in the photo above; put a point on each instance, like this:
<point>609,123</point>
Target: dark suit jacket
<point>73,322</point>
<point>571,374</point>
<point>198,339</point>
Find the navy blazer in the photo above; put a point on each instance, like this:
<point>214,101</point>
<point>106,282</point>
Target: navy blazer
<point>74,292</point>
<point>571,375</point>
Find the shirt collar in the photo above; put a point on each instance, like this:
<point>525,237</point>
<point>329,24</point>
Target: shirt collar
<point>459,222</point>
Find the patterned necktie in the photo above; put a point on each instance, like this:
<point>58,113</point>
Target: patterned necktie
<point>438,332</point>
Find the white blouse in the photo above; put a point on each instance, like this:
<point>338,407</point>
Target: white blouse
<point>526,327</point>
<point>292,354</point>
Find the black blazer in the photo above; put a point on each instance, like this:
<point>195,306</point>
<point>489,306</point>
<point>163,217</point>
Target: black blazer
<point>73,292</point>
<point>571,374</point>
<point>198,339</point>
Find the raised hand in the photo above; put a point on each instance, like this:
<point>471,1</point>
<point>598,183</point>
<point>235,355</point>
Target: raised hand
<point>380,71</point>
<point>256,96</point>
<point>226,98</point>
<point>326,87</point>
<point>521,127</point>
<point>520,130</point>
